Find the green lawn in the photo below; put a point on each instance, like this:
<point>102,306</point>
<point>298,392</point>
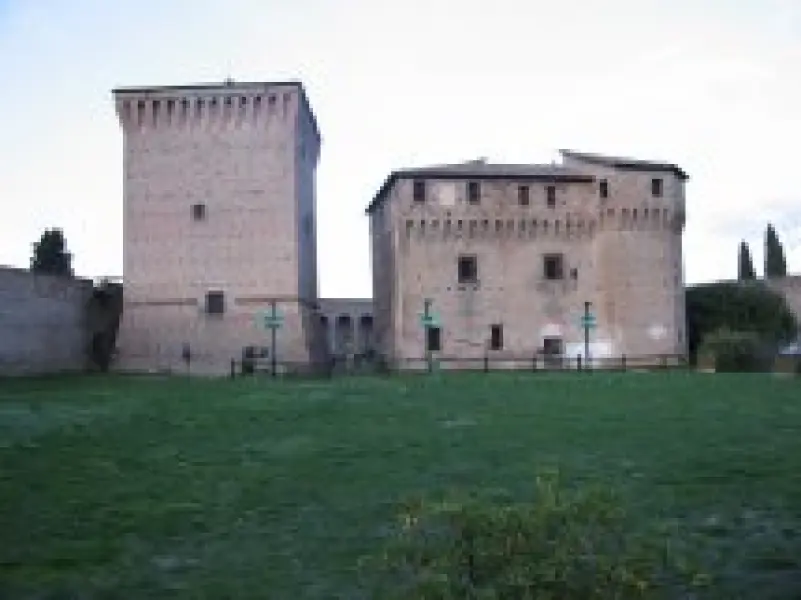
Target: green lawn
<point>115,487</point>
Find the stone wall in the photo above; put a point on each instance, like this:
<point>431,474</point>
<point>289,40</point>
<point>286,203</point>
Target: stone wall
<point>43,323</point>
<point>622,252</point>
<point>219,198</point>
<point>347,325</point>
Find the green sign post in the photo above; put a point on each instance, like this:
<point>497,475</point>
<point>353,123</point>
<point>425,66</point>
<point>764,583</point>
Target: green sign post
<point>427,321</point>
<point>272,320</point>
<point>587,322</point>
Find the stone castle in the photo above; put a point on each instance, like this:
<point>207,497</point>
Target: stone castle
<point>219,227</point>
<point>506,256</point>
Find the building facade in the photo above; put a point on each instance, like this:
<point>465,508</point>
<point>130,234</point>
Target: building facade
<point>504,258</point>
<point>347,327</point>
<point>219,223</point>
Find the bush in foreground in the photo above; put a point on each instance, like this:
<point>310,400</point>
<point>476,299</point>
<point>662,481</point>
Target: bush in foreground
<point>562,545</point>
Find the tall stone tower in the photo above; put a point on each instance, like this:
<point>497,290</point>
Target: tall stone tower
<point>219,223</point>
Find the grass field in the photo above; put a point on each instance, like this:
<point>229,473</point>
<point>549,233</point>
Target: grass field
<point>116,487</point>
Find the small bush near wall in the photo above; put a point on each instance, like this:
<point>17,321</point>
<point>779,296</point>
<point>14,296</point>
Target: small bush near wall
<point>562,544</point>
<point>104,311</point>
<point>737,352</point>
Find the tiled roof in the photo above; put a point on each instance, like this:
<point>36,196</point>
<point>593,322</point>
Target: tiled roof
<point>480,169</point>
<point>622,162</point>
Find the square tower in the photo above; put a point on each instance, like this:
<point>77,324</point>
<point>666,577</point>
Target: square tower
<point>219,223</point>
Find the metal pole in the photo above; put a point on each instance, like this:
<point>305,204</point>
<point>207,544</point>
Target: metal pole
<point>273,363</point>
<point>587,334</point>
<point>426,326</point>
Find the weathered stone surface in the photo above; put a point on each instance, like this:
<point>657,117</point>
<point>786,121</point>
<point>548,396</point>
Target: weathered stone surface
<point>246,152</point>
<point>43,323</point>
<point>626,251</point>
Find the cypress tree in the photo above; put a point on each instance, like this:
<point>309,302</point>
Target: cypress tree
<point>50,254</point>
<point>745,268</point>
<point>775,263</point>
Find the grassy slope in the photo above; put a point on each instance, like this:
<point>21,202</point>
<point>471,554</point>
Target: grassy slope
<point>242,489</point>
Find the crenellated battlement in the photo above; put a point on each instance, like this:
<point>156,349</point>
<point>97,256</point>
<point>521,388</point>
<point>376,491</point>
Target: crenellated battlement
<point>224,105</point>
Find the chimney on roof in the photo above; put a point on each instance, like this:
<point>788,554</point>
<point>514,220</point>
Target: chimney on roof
<point>481,160</point>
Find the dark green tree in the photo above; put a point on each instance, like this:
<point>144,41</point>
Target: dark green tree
<point>775,263</point>
<point>745,268</point>
<point>745,307</point>
<point>104,310</point>
<point>50,254</point>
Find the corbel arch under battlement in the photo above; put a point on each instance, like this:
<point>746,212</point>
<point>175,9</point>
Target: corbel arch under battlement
<point>443,229</point>
<point>210,107</point>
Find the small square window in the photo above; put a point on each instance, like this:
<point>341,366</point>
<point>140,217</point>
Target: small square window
<point>603,188</point>
<point>468,269</point>
<point>215,303</point>
<point>553,266</point>
<point>433,339</point>
<point>473,192</point>
<point>496,337</point>
<point>419,191</point>
<point>656,188</point>
<point>198,212</point>
<point>523,195</point>
<point>550,194</point>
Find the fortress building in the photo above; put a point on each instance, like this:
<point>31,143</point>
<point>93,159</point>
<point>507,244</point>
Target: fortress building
<point>505,257</point>
<point>219,222</point>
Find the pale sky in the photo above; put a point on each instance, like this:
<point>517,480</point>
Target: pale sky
<point>713,85</point>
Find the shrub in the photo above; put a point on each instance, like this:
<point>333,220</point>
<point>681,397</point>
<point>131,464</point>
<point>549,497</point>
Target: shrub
<point>104,310</point>
<point>562,545</point>
<point>737,352</point>
<point>738,306</point>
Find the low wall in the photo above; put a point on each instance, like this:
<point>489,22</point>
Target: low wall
<point>43,323</point>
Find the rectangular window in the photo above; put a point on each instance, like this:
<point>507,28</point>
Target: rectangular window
<point>603,188</point>
<point>523,195</point>
<point>473,192</point>
<point>215,303</point>
<point>198,212</point>
<point>550,195</point>
<point>656,188</point>
<point>496,337</point>
<point>468,269</point>
<point>553,266</point>
<point>419,191</point>
<point>433,339</point>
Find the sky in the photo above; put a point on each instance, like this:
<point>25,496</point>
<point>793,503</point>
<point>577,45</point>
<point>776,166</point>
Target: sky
<point>713,85</point>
